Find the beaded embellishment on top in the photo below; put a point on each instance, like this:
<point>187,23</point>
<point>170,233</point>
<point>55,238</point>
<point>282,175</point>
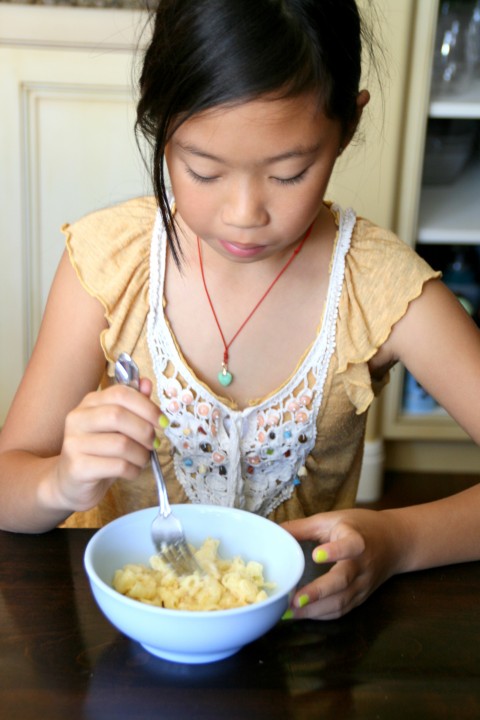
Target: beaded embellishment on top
<point>251,458</point>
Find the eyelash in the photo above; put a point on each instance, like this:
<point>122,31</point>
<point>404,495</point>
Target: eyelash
<point>199,178</point>
<point>293,180</point>
<point>282,181</point>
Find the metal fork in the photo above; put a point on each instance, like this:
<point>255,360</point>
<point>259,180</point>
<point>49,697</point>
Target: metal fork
<point>167,531</point>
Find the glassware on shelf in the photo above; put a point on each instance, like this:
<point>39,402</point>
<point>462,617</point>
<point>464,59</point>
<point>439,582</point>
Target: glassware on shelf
<point>452,64</point>
<point>473,41</point>
<point>448,147</point>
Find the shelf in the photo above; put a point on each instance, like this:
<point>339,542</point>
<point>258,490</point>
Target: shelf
<point>451,213</point>
<point>464,105</point>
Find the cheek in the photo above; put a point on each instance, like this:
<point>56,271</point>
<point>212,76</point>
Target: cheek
<point>194,210</point>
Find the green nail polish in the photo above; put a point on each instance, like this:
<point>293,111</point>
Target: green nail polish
<point>303,600</point>
<point>156,443</point>
<point>163,421</point>
<point>287,615</point>
<point>321,556</point>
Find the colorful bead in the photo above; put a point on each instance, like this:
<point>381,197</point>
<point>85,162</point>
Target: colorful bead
<point>173,406</point>
<point>254,460</point>
<point>305,399</point>
<point>260,421</point>
<point>206,447</point>
<point>302,438</point>
<point>250,470</point>
<point>261,437</point>
<point>218,457</point>
<point>293,406</point>
<point>271,435</point>
<point>187,397</point>
<point>301,417</point>
<point>287,434</point>
<point>187,431</point>
<point>188,462</point>
<point>303,472</point>
<point>296,481</point>
<point>202,469</point>
<point>172,389</point>
<point>273,419</point>
<point>222,470</point>
<point>204,409</point>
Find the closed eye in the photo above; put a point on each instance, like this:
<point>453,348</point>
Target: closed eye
<point>292,180</point>
<point>200,178</point>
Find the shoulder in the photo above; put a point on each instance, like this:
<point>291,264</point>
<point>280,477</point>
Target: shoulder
<point>130,217</point>
<point>109,249</point>
<point>382,276</point>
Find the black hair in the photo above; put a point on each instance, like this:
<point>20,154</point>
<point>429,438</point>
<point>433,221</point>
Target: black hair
<point>206,53</point>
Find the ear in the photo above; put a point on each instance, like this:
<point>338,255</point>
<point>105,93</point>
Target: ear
<point>363,98</point>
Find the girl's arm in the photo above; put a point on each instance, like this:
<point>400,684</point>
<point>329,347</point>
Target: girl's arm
<point>440,345</point>
<point>64,442</point>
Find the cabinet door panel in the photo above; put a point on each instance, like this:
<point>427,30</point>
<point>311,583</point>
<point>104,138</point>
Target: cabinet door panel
<point>67,147</point>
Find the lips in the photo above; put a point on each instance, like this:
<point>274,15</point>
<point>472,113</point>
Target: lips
<point>242,251</point>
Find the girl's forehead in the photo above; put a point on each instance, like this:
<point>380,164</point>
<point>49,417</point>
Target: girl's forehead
<point>265,109</point>
<point>270,118</point>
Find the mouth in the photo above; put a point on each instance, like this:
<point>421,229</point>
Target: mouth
<point>241,251</point>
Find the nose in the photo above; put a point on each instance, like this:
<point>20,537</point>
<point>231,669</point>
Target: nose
<point>244,205</point>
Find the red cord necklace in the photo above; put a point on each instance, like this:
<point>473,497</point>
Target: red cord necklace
<point>224,376</point>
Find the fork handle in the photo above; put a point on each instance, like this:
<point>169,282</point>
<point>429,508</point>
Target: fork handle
<point>163,502</point>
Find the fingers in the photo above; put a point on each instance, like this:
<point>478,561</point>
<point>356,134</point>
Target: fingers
<point>330,596</point>
<point>346,543</point>
<point>337,538</point>
<point>343,586</point>
<point>109,435</point>
<point>315,527</point>
<point>122,456</point>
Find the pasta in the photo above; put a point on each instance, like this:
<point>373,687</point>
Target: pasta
<point>225,584</point>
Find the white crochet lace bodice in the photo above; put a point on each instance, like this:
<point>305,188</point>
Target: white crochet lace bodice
<point>250,458</point>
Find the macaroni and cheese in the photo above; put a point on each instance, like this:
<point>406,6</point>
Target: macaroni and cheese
<point>225,584</point>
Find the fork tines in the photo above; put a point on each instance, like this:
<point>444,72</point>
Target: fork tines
<point>180,558</point>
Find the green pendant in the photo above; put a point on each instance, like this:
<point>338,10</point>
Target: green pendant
<point>225,377</point>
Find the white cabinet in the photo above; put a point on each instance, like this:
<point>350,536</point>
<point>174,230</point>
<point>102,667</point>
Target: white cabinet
<point>67,147</point>
<point>437,219</point>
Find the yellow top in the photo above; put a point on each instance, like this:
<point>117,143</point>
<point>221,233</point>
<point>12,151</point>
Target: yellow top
<point>374,277</point>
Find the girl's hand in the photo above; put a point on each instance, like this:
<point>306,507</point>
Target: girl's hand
<point>361,544</point>
<point>109,435</point>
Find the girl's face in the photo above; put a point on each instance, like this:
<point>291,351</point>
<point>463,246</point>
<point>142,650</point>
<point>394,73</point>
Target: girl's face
<point>249,179</point>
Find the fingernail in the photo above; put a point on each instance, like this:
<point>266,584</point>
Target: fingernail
<point>163,421</point>
<point>320,556</point>
<point>156,443</point>
<point>303,600</point>
<point>288,614</point>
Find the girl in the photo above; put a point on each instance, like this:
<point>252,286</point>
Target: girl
<point>263,318</point>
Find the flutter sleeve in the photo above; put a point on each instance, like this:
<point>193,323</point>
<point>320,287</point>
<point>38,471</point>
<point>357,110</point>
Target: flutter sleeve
<point>382,276</point>
<point>109,250</point>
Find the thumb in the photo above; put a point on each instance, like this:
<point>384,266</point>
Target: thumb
<point>315,527</point>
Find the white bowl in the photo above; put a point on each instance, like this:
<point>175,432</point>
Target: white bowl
<point>195,636</point>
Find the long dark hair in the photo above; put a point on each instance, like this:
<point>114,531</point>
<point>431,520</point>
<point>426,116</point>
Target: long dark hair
<point>205,53</point>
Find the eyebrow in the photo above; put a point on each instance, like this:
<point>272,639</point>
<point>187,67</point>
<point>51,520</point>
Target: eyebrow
<point>298,152</point>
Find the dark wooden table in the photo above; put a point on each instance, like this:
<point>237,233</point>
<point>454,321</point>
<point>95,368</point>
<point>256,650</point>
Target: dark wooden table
<point>411,651</point>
